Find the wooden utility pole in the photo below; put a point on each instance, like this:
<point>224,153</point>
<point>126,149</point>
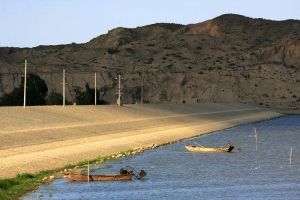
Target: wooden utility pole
<point>25,77</point>
<point>142,88</point>
<point>95,88</point>
<point>119,102</point>
<point>64,87</point>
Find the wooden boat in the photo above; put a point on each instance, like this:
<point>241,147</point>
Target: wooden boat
<point>202,149</point>
<point>126,174</point>
<point>106,177</point>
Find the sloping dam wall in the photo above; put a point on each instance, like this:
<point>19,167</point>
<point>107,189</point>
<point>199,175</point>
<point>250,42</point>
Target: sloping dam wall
<point>48,137</point>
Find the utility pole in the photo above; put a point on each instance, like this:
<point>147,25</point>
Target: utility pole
<point>142,88</point>
<point>95,88</point>
<point>119,102</point>
<point>25,76</point>
<point>64,87</point>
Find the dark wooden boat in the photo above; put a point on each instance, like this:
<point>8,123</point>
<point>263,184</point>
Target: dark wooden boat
<point>125,175</point>
<point>106,177</point>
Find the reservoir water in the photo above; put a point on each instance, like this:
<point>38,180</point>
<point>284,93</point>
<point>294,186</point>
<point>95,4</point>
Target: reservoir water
<point>175,173</point>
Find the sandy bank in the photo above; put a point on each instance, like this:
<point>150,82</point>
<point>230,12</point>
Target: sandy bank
<point>39,138</point>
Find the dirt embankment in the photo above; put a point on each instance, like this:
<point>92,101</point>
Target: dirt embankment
<point>40,138</point>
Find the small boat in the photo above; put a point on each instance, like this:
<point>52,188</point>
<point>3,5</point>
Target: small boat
<point>202,149</point>
<point>126,174</point>
<point>106,177</point>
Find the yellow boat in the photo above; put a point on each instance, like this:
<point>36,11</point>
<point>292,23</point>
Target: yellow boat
<point>202,149</point>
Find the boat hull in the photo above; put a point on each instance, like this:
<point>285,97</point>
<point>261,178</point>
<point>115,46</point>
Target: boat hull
<point>108,177</point>
<point>206,150</point>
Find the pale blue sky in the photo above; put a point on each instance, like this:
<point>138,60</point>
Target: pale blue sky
<point>28,23</point>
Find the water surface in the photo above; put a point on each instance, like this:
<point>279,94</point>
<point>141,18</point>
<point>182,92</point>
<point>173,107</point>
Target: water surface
<point>175,173</point>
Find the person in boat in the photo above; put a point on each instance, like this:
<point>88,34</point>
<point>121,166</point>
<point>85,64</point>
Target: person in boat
<point>125,171</point>
<point>141,175</point>
<point>230,147</point>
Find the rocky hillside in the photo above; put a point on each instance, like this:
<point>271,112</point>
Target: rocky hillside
<point>230,58</point>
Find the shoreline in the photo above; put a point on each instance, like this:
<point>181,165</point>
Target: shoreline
<point>47,177</point>
<point>16,187</point>
<point>132,127</point>
<point>28,150</point>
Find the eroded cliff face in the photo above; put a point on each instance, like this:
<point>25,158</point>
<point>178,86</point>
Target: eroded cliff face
<point>229,58</point>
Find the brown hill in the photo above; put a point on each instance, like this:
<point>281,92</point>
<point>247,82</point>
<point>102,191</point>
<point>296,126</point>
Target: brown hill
<point>230,58</point>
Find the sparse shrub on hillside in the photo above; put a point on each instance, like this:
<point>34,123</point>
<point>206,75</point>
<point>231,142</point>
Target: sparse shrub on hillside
<point>292,67</point>
<point>184,81</point>
<point>265,95</point>
<point>171,26</point>
<point>112,50</point>
<point>148,61</point>
<point>150,45</point>
<point>130,50</point>
<point>11,51</point>
<point>35,93</point>
<point>169,66</point>
<point>282,97</point>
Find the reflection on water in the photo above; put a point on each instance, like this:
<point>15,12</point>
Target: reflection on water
<point>175,173</point>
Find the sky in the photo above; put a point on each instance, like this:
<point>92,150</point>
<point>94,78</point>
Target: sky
<point>29,23</point>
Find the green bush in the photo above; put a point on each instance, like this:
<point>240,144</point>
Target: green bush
<point>87,97</point>
<point>15,98</point>
<point>112,50</point>
<point>11,188</point>
<point>36,92</point>
<point>7,183</point>
<point>54,98</point>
